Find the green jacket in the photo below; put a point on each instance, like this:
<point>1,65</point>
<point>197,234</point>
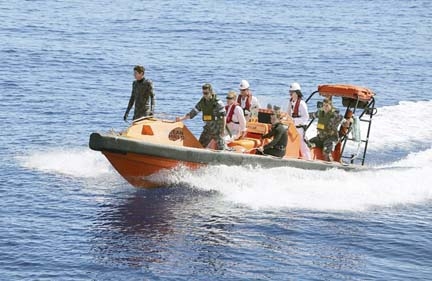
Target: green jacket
<point>143,97</point>
<point>213,109</point>
<point>328,123</point>
<point>280,137</point>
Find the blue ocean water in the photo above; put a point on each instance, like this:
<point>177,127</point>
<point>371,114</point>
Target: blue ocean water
<point>66,71</point>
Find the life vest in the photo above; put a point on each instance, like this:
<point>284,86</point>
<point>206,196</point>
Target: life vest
<point>295,110</point>
<point>324,120</point>
<point>248,101</point>
<point>230,112</point>
<point>207,108</point>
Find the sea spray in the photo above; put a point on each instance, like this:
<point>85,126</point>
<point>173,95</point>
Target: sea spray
<point>75,162</point>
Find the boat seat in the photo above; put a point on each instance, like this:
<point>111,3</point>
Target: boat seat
<point>317,153</point>
<point>247,143</point>
<point>256,130</point>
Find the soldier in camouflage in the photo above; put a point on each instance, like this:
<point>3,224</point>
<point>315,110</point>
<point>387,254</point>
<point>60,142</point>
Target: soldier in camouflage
<point>328,122</point>
<point>142,95</point>
<point>213,114</point>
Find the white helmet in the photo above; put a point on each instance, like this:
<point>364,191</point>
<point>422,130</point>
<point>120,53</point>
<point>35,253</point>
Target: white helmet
<point>295,87</point>
<point>244,84</point>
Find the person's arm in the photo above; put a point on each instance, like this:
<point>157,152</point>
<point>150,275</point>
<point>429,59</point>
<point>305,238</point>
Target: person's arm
<point>187,116</point>
<point>254,108</point>
<point>314,114</point>
<point>334,123</point>
<point>194,112</point>
<point>242,121</point>
<point>221,113</point>
<point>152,97</point>
<point>269,134</point>
<point>289,109</point>
<point>255,103</point>
<point>304,115</point>
<point>130,104</point>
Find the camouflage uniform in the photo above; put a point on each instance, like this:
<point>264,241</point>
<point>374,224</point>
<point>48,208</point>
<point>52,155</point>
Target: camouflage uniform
<point>213,109</point>
<point>143,97</point>
<point>327,137</point>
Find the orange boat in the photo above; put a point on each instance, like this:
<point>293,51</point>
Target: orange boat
<point>151,145</point>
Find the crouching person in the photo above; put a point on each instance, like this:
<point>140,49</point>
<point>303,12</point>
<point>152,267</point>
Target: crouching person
<point>328,122</point>
<point>277,146</point>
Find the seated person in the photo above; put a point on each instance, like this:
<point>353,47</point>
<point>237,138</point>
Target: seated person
<point>235,120</point>
<point>328,122</point>
<point>247,101</point>
<point>277,146</point>
<point>346,123</point>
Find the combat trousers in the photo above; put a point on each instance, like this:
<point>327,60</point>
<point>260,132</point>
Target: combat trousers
<point>212,131</point>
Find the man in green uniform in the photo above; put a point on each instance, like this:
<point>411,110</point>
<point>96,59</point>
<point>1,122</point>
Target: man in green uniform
<point>328,122</point>
<point>277,146</point>
<point>213,115</point>
<point>142,95</point>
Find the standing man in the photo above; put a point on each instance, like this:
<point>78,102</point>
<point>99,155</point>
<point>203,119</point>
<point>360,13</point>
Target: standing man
<point>248,103</point>
<point>213,115</point>
<point>142,95</point>
<point>328,122</point>
<point>298,110</point>
<point>277,146</point>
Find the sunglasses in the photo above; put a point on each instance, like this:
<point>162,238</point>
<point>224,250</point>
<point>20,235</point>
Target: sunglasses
<point>229,98</point>
<point>206,92</point>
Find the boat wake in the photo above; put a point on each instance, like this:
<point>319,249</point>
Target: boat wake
<point>403,182</point>
<point>404,126</point>
<point>79,162</point>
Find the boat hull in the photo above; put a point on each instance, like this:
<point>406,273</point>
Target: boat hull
<point>137,169</point>
<point>137,161</point>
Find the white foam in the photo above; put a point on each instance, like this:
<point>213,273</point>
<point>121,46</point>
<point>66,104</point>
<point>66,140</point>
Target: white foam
<point>404,125</point>
<point>333,190</point>
<point>78,162</point>
<point>420,160</point>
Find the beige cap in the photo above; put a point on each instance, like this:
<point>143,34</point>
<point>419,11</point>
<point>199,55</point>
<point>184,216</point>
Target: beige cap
<point>231,95</point>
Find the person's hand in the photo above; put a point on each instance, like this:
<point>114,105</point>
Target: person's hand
<point>260,149</point>
<point>125,117</point>
<point>242,135</point>
<point>178,119</point>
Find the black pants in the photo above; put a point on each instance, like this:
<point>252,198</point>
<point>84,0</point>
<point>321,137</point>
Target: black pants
<point>272,151</point>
